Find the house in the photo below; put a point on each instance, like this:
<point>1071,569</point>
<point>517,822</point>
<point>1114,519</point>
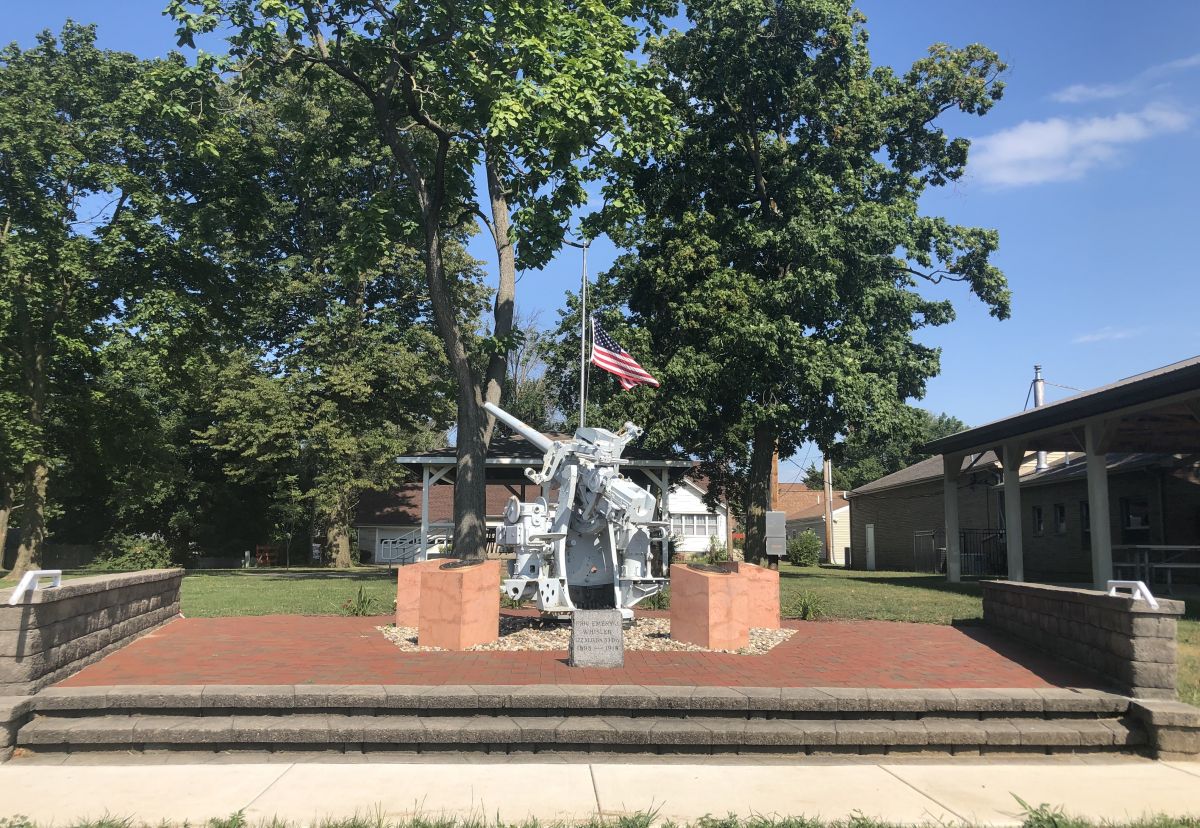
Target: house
<point>894,518</point>
<point>813,518</point>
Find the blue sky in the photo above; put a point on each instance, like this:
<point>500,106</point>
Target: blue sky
<point>1088,169</point>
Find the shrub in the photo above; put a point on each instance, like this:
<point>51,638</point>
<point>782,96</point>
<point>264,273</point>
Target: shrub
<point>122,553</point>
<point>360,604</point>
<point>657,601</point>
<point>804,549</point>
<point>807,606</point>
<point>717,553</point>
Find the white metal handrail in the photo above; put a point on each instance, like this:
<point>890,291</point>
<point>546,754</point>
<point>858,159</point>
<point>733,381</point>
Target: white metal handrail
<point>31,581</point>
<point>1138,591</point>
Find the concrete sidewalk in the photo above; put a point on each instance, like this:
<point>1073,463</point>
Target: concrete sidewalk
<point>681,788</point>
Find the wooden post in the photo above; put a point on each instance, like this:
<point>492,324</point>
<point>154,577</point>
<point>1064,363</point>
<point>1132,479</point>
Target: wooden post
<point>951,466</point>
<point>1098,509</point>
<point>827,474</point>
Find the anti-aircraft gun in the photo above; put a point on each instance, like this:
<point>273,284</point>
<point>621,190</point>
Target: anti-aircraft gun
<point>593,549</point>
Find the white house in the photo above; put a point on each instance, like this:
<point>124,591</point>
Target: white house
<point>813,517</point>
<point>693,523</point>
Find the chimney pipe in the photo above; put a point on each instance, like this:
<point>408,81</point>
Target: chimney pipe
<point>1039,399</point>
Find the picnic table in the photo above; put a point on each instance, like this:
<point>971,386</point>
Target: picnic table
<point>1145,559</point>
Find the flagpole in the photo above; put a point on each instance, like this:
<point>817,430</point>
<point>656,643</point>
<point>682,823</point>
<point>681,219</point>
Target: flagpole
<point>583,320</point>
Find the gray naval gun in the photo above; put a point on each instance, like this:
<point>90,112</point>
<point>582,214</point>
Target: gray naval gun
<point>596,547</point>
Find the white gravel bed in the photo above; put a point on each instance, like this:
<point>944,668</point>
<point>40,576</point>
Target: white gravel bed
<point>645,634</point>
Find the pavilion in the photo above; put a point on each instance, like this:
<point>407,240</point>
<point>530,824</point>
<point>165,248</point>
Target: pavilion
<point>1158,411</point>
<point>509,455</point>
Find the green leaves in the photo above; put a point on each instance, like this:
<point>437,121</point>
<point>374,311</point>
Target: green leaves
<point>780,260</point>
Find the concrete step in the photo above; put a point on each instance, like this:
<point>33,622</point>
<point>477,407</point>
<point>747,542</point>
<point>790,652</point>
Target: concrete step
<point>601,700</point>
<point>502,733</point>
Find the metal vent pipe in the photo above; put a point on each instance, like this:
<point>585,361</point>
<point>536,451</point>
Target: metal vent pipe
<point>1039,399</point>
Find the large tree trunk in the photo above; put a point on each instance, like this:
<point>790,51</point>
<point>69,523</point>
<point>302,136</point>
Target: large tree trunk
<point>758,494</point>
<point>469,492</point>
<point>6,504</point>
<point>35,360</point>
<point>33,521</point>
<point>337,542</point>
<point>506,290</point>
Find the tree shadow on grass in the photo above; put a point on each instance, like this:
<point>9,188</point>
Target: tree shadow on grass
<point>304,575</point>
<point>936,583</point>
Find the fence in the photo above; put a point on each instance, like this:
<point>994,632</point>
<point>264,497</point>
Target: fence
<point>982,552</point>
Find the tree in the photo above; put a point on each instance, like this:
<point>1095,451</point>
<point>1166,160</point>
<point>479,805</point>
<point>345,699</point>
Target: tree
<point>77,218</point>
<point>527,392</point>
<point>773,281</point>
<point>339,372</point>
<point>539,95</point>
<point>868,454</point>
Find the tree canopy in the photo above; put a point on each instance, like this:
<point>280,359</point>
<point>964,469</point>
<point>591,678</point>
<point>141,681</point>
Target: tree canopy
<point>781,264</point>
<point>870,453</point>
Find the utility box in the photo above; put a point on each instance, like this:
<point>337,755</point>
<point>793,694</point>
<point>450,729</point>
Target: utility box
<point>776,534</point>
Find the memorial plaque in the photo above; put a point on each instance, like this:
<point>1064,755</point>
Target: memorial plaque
<point>597,639</point>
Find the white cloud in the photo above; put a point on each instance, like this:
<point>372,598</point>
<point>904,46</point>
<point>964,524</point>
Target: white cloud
<point>1063,149</point>
<point>1107,334</point>
<point>1081,92</point>
<point>1084,92</point>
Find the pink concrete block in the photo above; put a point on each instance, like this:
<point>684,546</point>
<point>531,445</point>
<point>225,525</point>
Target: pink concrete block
<point>408,591</point>
<point>709,608</point>
<point>762,595</point>
<point>460,605</point>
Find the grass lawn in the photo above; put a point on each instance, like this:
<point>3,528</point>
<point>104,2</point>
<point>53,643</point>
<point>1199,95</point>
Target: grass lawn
<point>221,592</point>
<point>883,596</point>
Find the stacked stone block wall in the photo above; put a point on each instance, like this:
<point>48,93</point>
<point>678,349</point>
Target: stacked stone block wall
<point>50,634</point>
<point>1124,641</point>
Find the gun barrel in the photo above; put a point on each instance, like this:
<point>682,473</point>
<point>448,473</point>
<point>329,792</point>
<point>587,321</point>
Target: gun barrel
<point>530,433</point>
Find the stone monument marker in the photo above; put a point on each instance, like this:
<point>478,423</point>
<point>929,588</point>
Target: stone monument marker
<point>597,639</point>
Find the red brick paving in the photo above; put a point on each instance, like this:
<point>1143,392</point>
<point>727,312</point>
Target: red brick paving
<point>288,649</point>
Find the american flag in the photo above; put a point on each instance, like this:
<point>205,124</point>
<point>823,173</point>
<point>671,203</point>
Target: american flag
<point>610,356</point>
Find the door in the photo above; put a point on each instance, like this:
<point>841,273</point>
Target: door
<point>870,546</point>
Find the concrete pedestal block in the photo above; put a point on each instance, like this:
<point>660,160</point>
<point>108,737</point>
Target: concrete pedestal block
<point>408,591</point>
<point>762,595</point>
<point>709,607</point>
<point>459,605</point>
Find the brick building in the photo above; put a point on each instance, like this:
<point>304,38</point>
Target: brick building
<point>886,514</point>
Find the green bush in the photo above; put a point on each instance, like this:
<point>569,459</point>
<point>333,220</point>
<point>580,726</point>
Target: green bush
<point>125,553</point>
<point>804,549</point>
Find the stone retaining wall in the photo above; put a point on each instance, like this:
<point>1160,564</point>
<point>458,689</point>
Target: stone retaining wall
<point>1122,640</point>
<point>53,633</point>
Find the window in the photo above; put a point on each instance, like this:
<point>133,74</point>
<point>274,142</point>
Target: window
<point>694,526</point>
<point>1060,518</point>
<point>1135,513</point>
<point>1039,523</point>
<point>1135,520</point>
<point>1085,524</point>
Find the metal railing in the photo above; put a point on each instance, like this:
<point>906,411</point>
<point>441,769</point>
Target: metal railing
<point>983,553</point>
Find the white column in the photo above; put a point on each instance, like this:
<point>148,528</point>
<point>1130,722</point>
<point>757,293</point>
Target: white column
<point>424,512</point>
<point>951,466</point>
<point>1013,454</point>
<point>1098,510</point>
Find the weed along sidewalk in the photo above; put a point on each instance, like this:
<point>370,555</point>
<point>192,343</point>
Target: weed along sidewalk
<point>475,791</point>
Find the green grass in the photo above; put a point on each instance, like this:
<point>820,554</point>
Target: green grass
<point>214,593</point>
<point>882,596</point>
